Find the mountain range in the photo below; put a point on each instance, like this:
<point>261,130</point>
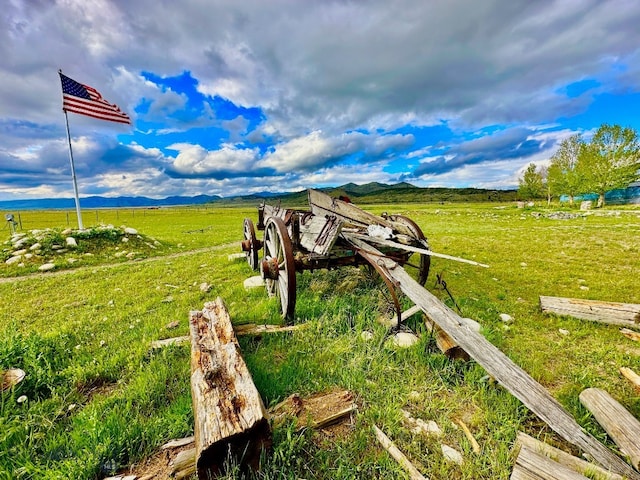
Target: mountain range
<point>373,192</point>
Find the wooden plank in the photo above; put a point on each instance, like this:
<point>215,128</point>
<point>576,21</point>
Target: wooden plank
<point>533,395</point>
<point>530,465</point>
<point>229,416</point>
<point>576,464</point>
<point>622,427</point>
<point>613,313</point>
<point>409,248</point>
<point>170,341</point>
<point>322,204</point>
<point>397,455</point>
<point>318,234</point>
<point>630,334</point>
<point>632,376</point>
<point>253,329</point>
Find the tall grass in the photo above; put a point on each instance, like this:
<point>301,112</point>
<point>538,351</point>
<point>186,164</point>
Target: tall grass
<point>98,398</point>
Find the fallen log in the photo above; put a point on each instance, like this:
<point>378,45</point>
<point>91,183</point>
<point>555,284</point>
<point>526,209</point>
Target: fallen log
<point>230,418</point>
<point>612,313</point>
<point>533,395</point>
<point>622,427</point>
<point>530,465</point>
<point>574,463</point>
<point>397,455</point>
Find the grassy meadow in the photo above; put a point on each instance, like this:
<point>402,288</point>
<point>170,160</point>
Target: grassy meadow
<point>99,399</point>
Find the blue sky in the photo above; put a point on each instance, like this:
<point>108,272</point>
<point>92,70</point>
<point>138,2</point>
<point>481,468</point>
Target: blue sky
<point>232,98</point>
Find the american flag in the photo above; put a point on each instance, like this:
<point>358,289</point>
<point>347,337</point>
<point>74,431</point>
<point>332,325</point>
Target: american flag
<point>85,100</point>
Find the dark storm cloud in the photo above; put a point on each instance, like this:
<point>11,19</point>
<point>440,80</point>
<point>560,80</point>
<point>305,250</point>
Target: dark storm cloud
<point>510,144</point>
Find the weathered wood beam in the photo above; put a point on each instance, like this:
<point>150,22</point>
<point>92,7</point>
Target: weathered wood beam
<point>409,248</point>
<point>612,313</point>
<point>397,455</point>
<point>632,376</point>
<point>630,334</point>
<point>574,463</point>
<point>622,427</point>
<point>253,329</point>
<point>230,418</point>
<point>530,465</point>
<point>318,234</point>
<point>322,204</point>
<point>533,395</point>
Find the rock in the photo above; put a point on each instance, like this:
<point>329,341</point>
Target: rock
<point>125,239</point>
<point>46,267</point>
<point>172,325</point>
<point>71,242</point>
<point>205,287</point>
<point>404,339</point>
<point>254,282</point>
<point>366,335</point>
<point>72,260</point>
<point>55,246</point>
<point>531,204</point>
<point>506,318</point>
<point>520,204</point>
<point>451,454</point>
<point>523,264</point>
<point>563,331</point>
<point>20,252</point>
<point>130,255</point>
<point>67,231</point>
<point>472,324</point>
<point>13,260</point>
<point>586,205</point>
<point>120,254</point>
<point>130,231</point>
<point>35,246</point>
<point>584,287</point>
<point>11,377</point>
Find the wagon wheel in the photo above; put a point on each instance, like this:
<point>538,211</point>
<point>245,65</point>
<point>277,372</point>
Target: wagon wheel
<point>251,244</point>
<point>416,232</point>
<point>278,267</point>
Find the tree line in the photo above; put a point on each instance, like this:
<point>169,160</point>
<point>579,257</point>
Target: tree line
<point>610,161</point>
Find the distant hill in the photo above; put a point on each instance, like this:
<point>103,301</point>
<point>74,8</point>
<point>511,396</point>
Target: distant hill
<point>375,192</point>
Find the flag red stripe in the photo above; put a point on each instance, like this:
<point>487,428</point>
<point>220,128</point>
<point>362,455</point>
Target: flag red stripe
<point>101,117</point>
<point>96,109</point>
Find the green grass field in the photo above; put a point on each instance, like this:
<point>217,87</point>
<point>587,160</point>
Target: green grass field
<point>99,399</point>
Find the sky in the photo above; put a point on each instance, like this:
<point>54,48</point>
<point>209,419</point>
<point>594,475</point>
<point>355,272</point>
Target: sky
<point>238,97</point>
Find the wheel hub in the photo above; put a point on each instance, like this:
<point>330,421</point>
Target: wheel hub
<point>270,269</point>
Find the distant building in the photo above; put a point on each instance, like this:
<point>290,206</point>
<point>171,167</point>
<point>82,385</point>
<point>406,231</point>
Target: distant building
<point>621,196</point>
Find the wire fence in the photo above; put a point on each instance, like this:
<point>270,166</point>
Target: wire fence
<point>41,219</point>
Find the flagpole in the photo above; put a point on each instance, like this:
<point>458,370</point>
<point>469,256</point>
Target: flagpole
<point>73,174</point>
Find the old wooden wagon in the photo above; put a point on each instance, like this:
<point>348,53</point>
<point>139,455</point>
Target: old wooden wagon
<point>324,238</point>
<point>334,233</point>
